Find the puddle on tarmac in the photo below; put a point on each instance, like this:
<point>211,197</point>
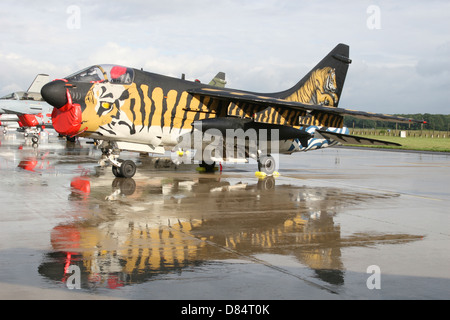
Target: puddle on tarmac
<point>140,229</point>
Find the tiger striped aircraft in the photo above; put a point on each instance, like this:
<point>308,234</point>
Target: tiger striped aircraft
<point>133,110</point>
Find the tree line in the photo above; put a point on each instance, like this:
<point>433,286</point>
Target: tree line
<point>440,122</point>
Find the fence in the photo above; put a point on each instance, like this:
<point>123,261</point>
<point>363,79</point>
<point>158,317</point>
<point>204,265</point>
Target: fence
<point>398,133</point>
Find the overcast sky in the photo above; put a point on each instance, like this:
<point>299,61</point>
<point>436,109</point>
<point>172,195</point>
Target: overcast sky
<point>400,49</point>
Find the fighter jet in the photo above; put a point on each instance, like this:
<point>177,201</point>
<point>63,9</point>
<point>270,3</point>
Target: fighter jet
<point>134,110</point>
<point>32,112</point>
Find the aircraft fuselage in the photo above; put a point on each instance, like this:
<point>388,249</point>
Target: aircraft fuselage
<point>147,112</point>
<point>149,109</point>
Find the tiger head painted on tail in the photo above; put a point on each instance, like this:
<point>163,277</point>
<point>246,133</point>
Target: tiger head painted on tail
<point>320,88</point>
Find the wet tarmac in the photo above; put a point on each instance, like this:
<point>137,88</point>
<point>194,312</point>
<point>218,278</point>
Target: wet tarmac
<point>336,224</point>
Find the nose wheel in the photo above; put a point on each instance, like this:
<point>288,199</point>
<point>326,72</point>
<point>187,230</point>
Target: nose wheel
<point>35,139</point>
<point>126,169</point>
<point>120,168</point>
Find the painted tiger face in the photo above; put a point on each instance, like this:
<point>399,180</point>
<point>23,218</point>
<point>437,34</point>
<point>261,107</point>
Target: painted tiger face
<point>320,88</point>
<point>330,84</point>
<point>326,86</point>
<point>103,103</point>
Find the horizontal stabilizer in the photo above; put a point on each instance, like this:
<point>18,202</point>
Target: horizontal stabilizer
<point>349,139</point>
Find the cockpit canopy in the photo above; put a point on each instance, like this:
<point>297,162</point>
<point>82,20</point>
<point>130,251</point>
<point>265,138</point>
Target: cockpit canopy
<point>104,73</point>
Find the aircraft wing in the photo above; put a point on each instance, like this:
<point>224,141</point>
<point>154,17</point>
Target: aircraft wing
<point>248,97</point>
<point>18,113</point>
<point>20,109</point>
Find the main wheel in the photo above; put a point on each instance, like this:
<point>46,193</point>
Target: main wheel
<point>209,167</point>
<point>266,164</point>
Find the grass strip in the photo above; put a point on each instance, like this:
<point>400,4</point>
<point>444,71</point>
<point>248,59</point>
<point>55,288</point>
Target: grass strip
<point>413,143</point>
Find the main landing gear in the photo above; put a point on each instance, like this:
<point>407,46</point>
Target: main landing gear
<point>207,166</point>
<point>266,165</point>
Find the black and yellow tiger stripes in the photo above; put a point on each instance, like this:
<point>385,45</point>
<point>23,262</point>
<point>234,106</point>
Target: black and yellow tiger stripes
<point>154,102</point>
<point>281,116</point>
<point>284,116</point>
<point>322,119</point>
<point>140,107</point>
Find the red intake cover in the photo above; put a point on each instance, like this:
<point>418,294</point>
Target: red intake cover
<point>67,119</point>
<point>67,122</point>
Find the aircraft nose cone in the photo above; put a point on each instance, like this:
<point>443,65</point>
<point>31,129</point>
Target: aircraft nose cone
<point>55,93</point>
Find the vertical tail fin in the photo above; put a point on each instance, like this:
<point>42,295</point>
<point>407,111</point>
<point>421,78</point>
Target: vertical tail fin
<point>324,83</point>
<point>38,83</point>
<point>218,80</point>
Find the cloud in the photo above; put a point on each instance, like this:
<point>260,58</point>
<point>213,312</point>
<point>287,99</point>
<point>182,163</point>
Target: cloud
<point>262,46</point>
<point>437,63</point>
<point>18,71</point>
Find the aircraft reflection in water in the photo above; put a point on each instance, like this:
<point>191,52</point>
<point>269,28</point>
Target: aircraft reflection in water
<point>43,161</point>
<point>141,229</point>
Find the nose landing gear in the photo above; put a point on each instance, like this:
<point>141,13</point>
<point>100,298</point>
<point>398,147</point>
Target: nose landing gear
<point>120,168</point>
<point>127,169</point>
